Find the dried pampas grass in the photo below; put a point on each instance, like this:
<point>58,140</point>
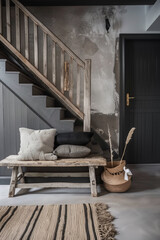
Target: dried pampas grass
<point>129,137</point>
<point>110,145</point>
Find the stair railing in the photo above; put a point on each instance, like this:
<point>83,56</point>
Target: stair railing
<point>29,38</point>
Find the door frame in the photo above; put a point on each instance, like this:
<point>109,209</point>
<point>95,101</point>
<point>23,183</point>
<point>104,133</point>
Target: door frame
<point>122,44</point>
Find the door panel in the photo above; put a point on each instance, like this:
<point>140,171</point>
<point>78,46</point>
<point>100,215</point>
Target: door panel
<point>140,58</point>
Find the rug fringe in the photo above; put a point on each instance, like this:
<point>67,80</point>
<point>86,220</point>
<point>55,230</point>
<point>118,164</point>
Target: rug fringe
<point>106,228</point>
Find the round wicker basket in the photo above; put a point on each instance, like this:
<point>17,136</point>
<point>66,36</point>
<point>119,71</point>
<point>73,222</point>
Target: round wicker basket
<point>113,177</point>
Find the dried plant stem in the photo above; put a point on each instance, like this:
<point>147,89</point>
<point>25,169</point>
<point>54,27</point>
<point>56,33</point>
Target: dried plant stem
<point>129,137</point>
<point>123,153</point>
<point>110,145</point>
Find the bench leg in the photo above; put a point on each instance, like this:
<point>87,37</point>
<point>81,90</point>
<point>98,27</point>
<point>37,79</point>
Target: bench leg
<point>20,175</point>
<point>13,181</point>
<point>92,176</point>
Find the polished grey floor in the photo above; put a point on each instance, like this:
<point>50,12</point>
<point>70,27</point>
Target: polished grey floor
<point>137,212</point>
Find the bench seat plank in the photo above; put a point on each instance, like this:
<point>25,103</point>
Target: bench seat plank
<point>18,181</point>
<point>12,161</point>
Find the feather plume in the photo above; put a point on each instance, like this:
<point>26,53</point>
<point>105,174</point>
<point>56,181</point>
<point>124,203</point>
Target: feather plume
<point>110,145</point>
<point>129,137</point>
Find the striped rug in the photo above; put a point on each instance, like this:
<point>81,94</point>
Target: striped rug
<point>57,222</point>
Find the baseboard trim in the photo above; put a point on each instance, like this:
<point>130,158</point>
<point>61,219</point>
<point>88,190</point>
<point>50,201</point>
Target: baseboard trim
<point>142,164</point>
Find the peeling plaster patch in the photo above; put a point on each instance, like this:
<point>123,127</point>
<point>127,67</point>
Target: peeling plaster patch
<point>100,131</point>
<point>90,47</point>
<point>105,98</point>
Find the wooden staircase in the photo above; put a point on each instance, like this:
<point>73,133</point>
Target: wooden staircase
<point>35,97</point>
<point>49,62</point>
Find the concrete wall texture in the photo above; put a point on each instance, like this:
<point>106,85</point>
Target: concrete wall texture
<point>83,30</point>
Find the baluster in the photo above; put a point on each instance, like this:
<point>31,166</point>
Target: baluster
<point>54,63</point>
<point>78,85</point>
<point>35,45</point>
<point>8,20</point>
<point>17,28</point>
<point>26,36</point>
<point>62,70</point>
<point>87,96</point>
<point>44,54</point>
<point>0,16</point>
<point>71,79</point>
<point>66,76</point>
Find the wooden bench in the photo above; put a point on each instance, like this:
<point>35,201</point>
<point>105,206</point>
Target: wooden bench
<point>18,181</point>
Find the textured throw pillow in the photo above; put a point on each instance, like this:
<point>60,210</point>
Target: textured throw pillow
<point>35,143</point>
<point>71,151</point>
<point>73,138</point>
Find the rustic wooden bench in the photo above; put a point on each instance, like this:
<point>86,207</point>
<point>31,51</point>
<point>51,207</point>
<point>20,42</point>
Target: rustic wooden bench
<point>18,180</point>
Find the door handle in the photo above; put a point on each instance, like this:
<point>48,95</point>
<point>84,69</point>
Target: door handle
<point>128,99</point>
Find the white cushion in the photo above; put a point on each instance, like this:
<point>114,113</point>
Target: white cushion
<point>35,143</point>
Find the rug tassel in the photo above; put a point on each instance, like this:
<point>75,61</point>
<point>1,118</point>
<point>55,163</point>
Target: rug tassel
<point>106,228</point>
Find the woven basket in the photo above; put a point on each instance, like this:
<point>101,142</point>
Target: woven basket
<point>113,177</point>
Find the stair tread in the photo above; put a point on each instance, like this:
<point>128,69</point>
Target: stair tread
<point>44,96</point>
<point>3,60</point>
<point>33,85</point>
<point>68,119</point>
<point>12,72</point>
<point>50,108</point>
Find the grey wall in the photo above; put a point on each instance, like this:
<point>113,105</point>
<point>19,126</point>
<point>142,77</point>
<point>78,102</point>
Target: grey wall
<point>13,115</point>
<point>83,30</point>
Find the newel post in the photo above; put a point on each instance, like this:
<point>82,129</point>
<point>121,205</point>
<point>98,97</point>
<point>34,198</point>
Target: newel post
<point>87,96</point>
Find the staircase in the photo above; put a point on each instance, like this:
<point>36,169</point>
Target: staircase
<point>35,97</point>
<point>41,70</point>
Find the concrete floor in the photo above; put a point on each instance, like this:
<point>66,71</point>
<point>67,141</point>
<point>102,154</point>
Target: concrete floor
<point>137,212</point>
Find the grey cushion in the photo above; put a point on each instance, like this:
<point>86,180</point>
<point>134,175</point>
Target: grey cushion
<point>71,151</point>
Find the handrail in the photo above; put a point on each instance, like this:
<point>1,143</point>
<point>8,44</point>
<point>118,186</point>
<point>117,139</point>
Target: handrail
<point>53,36</point>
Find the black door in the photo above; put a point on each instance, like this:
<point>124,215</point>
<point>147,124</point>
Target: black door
<point>140,97</point>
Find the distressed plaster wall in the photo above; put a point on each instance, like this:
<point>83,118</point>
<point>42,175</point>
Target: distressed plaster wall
<point>83,30</point>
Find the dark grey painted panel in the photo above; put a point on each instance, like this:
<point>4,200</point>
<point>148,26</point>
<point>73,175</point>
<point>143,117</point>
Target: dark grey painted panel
<point>1,122</point>
<point>13,115</point>
<point>3,169</point>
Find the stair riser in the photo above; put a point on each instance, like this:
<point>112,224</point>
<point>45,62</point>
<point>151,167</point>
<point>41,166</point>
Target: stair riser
<point>43,101</point>
<point>10,67</point>
<point>2,66</point>
<point>36,91</point>
<point>50,102</point>
<point>23,79</point>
